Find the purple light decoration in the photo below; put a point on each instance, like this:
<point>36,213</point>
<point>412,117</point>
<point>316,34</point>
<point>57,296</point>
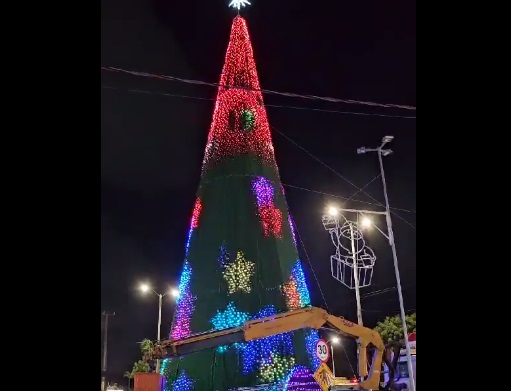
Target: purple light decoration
<point>292,226</point>
<point>185,305</point>
<point>301,379</point>
<point>185,302</point>
<point>263,190</point>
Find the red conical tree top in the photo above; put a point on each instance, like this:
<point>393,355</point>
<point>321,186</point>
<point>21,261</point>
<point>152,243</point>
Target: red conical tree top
<point>240,125</point>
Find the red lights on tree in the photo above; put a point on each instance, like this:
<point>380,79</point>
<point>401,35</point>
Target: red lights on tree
<point>196,213</point>
<point>239,125</point>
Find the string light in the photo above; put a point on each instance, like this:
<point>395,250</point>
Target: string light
<point>224,257</point>
<point>295,290</point>
<point>301,284</point>
<point>255,352</point>
<point>196,213</point>
<point>229,135</point>
<point>182,383</point>
<point>184,305</point>
<point>185,302</point>
<point>291,226</point>
<point>301,378</point>
<point>311,339</point>
<point>164,367</point>
<point>291,293</point>
<point>276,368</point>
<point>271,217</point>
<point>238,274</point>
<point>228,318</point>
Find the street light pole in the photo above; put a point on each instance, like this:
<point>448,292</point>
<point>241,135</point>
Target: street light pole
<point>355,275</point>
<point>396,269</point>
<point>392,243</point>
<point>175,293</point>
<point>333,341</point>
<point>105,345</point>
<point>333,360</point>
<point>160,302</point>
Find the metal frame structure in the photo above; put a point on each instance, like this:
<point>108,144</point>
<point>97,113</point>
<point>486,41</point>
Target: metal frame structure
<point>352,265</point>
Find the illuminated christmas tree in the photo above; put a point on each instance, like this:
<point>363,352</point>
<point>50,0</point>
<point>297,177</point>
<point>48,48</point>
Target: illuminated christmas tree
<point>241,257</point>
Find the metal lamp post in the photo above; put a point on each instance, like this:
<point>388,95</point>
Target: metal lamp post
<point>385,152</point>
<point>175,293</point>
<point>334,340</point>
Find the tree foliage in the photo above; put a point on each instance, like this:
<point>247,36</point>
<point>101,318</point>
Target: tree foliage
<point>391,329</point>
<point>146,346</point>
<point>140,366</point>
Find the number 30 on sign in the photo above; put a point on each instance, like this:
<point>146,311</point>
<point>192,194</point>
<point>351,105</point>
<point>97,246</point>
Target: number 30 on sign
<point>322,351</point>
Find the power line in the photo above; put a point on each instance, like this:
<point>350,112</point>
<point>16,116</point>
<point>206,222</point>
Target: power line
<point>343,198</point>
<point>303,188</point>
<point>338,174</point>
<point>310,264</point>
<point>264,91</point>
<point>266,105</point>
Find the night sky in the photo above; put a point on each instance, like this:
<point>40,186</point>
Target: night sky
<point>153,134</point>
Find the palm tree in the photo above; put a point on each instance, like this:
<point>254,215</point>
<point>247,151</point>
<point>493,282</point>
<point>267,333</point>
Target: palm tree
<point>129,375</point>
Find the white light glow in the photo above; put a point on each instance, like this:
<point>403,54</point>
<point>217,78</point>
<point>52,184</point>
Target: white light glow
<point>144,288</point>
<point>366,222</point>
<point>174,292</point>
<point>333,211</point>
<point>238,4</point>
<point>336,340</point>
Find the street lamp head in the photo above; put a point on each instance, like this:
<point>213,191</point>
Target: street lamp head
<point>361,150</point>
<point>144,288</point>
<point>175,293</point>
<point>366,222</point>
<point>387,139</point>
<point>336,340</point>
<point>333,211</point>
<point>386,152</point>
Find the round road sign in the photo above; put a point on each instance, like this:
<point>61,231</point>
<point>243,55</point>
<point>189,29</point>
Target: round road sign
<point>322,351</point>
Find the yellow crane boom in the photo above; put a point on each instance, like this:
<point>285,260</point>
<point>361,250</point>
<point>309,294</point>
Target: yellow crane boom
<point>311,317</point>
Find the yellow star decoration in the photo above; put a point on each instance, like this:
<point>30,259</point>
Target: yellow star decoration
<point>238,273</point>
<point>276,369</point>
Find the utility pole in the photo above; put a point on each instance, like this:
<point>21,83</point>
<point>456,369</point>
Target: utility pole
<point>105,315</point>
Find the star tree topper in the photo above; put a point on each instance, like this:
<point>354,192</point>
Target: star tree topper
<point>238,4</point>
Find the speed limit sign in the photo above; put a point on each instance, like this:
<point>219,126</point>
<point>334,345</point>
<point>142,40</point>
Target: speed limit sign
<point>322,351</point>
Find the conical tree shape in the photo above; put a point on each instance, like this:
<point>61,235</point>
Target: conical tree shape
<point>241,257</point>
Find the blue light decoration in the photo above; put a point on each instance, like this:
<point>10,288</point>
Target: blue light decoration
<point>228,318</point>
<point>311,339</point>
<point>182,383</point>
<point>299,277</point>
<point>165,363</point>
<point>257,352</point>
<point>185,301</point>
<point>224,257</point>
